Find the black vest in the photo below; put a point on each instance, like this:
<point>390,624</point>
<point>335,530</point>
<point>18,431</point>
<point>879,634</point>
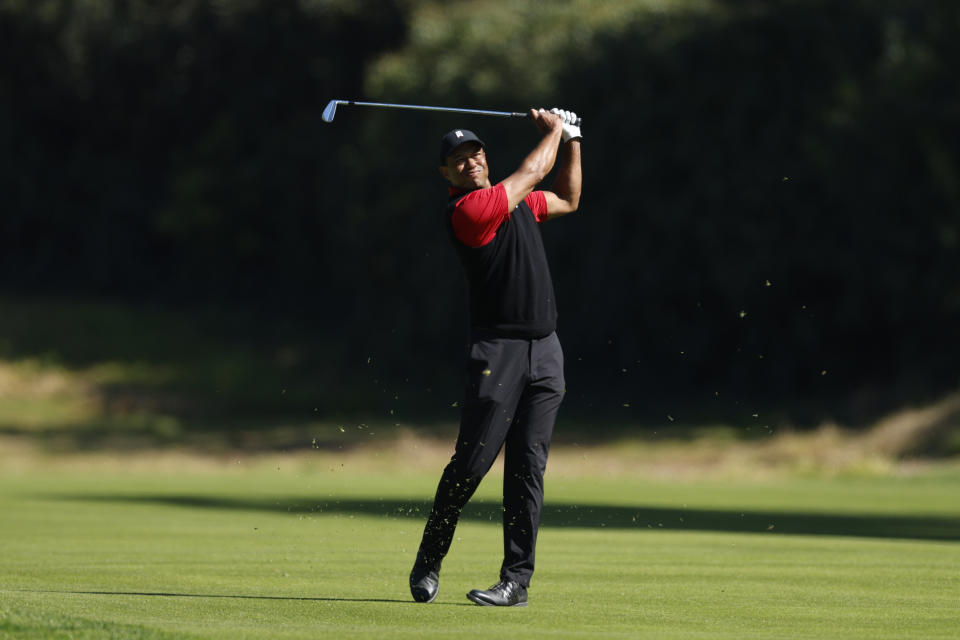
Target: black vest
<point>511,292</point>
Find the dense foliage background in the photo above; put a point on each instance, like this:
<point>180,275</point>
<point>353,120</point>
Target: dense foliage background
<point>769,222</point>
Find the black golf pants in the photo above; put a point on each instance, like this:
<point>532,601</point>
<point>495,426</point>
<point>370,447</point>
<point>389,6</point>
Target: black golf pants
<point>513,392</point>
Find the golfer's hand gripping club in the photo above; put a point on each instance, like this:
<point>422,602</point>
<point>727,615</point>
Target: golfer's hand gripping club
<point>571,124</point>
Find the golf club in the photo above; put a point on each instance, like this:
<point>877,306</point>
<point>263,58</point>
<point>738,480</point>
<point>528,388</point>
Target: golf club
<point>331,109</point>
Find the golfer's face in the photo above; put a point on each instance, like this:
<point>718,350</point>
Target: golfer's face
<point>467,167</point>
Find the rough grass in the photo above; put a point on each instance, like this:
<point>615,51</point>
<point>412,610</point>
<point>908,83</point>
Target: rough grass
<point>82,374</point>
<point>50,408</point>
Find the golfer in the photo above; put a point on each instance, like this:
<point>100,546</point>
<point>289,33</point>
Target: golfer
<point>515,365</point>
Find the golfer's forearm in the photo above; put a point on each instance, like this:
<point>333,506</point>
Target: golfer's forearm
<point>541,160</point>
<point>533,169</point>
<point>569,178</point>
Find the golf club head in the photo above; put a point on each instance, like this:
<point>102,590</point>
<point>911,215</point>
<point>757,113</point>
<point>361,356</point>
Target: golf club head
<point>330,110</point>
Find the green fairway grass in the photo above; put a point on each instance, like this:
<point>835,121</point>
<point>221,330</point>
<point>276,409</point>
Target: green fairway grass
<point>307,548</point>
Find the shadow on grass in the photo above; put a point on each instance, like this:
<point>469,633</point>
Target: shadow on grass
<point>592,516</point>
<point>160,594</point>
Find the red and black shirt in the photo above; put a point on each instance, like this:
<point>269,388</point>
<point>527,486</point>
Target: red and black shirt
<point>511,291</point>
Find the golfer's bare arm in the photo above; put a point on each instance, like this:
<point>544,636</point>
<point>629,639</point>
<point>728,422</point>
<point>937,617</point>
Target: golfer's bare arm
<point>565,195</point>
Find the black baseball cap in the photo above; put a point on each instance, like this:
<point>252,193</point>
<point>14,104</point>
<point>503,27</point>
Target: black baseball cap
<point>453,139</point>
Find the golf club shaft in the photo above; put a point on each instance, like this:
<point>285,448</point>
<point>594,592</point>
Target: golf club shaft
<point>331,109</point>
<point>417,107</point>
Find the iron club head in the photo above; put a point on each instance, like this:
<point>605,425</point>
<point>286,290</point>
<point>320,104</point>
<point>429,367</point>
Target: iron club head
<point>330,110</point>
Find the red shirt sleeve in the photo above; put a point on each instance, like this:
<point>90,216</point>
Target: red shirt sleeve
<point>538,204</point>
<point>479,214</point>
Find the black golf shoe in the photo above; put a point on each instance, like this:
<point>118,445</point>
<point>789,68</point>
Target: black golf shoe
<point>505,593</point>
<point>424,584</point>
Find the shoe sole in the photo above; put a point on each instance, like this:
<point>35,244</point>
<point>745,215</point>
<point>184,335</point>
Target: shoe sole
<point>483,603</point>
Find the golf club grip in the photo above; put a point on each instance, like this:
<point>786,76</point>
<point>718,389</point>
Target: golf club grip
<point>516,114</point>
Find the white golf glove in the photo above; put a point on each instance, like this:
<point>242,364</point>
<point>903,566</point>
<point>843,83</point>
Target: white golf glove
<point>571,131</point>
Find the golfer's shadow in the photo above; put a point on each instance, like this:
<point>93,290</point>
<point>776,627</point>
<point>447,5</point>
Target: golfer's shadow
<point>875,525</point>
<point>559,514</point>
<point>163,594</point>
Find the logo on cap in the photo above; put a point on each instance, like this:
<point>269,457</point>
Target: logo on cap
<point>459,133</point>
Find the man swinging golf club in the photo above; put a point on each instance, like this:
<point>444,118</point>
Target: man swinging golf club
<point>515,364</point>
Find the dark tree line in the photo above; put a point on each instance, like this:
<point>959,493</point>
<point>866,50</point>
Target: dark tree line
<point>769,221</point>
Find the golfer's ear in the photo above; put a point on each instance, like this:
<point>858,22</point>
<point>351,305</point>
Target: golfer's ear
<point>443,172</point>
